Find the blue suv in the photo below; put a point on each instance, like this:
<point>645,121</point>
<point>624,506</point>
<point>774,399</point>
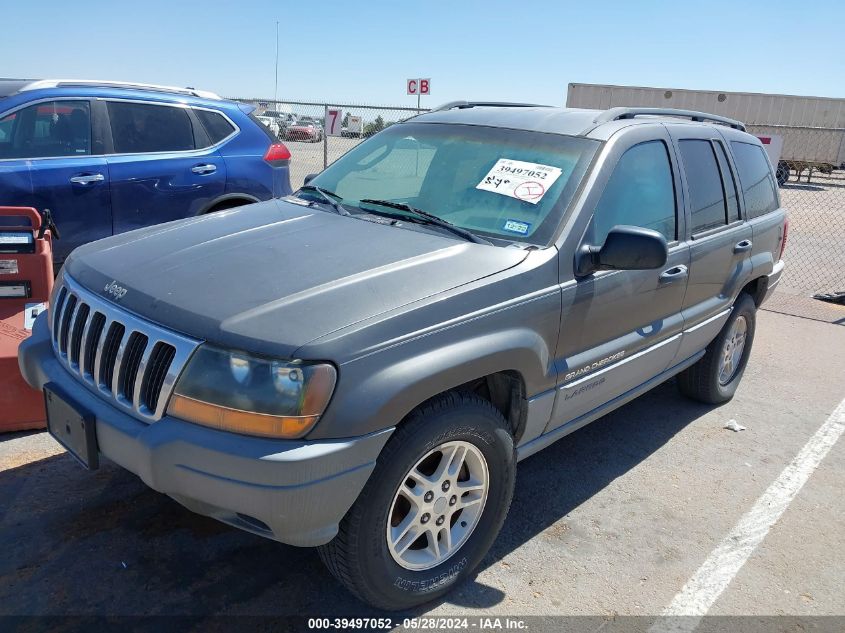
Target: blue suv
<point>109,157</point>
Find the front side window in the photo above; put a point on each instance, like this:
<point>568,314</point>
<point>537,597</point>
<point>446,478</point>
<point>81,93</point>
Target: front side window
<point>704,181</point>
<point>640,192</point>
<point>755,177</point>
<point>496,182</point>
<point>141,128</point>
<point>47,130</point>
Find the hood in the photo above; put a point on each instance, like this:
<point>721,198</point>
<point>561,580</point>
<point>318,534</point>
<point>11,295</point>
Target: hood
<point>273,276</point>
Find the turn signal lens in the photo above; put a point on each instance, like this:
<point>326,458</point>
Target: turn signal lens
<point>248,422</point>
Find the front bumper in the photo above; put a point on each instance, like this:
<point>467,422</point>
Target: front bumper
<point>293,491</point>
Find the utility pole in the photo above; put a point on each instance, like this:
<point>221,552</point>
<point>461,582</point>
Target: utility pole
<point>276,88</point>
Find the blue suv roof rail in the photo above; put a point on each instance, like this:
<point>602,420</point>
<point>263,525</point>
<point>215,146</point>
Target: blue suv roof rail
<point>616,114</point>
<point>55,83</point>
<point>452,105</point>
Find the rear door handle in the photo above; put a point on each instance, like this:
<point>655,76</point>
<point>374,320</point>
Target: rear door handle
<point>743,246</point>
<point>673,274</point>
<point>87,179</point>
<point>204,169</point>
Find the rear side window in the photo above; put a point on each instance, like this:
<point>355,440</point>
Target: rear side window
<point>47,130</point>
<point>640,192</point>
<point>215,125</point>
<point>139,127</point>
<point>704,180</point>
<point>728,182</point>
<point>755,177</point>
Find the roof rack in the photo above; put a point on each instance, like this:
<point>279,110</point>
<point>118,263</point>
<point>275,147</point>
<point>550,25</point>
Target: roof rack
<point>460,105</point>
<point>616,114</point>
<point>54,83</point>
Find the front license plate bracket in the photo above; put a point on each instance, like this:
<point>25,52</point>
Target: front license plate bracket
<point>72,427</point>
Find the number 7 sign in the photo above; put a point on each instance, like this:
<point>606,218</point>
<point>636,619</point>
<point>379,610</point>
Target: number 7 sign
<point>334,121</point>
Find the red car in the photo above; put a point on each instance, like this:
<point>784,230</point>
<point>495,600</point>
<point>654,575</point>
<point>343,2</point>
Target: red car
<point>304,131</point>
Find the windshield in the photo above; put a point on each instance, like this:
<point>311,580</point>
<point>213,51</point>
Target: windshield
<point>496,182</point>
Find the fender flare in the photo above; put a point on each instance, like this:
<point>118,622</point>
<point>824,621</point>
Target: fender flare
<point>373,394</point>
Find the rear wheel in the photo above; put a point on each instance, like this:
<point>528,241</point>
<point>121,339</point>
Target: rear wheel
<point>715,378</point>
<point>432,507</point>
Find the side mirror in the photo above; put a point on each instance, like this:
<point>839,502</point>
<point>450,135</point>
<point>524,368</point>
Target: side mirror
<point>309,178</point>
<point>625,248</point>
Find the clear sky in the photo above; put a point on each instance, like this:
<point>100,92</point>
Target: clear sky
<point>363,50</point>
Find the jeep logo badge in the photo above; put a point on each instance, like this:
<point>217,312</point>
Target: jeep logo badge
<point>115,290</point>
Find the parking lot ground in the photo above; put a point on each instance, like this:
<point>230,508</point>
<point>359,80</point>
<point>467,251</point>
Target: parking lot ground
<point>610,521</point>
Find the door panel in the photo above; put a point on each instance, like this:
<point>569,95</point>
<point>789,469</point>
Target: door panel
<point>630,325</point>
<point>76,190</point>
<point>720,241</point>
<point>153,188</point>
<point>621,328</point>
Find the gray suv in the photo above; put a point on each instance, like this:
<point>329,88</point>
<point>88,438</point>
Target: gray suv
<point>360,366</point>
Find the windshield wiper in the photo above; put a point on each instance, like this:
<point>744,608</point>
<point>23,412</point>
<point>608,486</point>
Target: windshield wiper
<point>424,217</point>
<point>328,197</point>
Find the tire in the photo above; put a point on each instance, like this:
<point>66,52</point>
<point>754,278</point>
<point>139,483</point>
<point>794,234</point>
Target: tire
<point>360,557</point>
<point>782,173</point>
<point>709,380</point>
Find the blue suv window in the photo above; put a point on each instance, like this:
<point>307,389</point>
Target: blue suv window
<point>215,125</point>
<point>47,129</point>
<point>140,128</point>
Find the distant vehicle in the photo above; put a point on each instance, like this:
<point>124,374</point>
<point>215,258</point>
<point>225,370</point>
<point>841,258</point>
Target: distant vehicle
<point>813,128</point>
<point>109,157</point>
<point>354,127</point>
<point>304,131</point>
<point>272,124</point>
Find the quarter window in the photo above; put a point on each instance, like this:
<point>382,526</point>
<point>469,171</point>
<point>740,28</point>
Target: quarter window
<point>215,125</point>
<point>704,181</point>
<point>755,177</point>
<point>140,127</point>
<point>640,192</point>
<point>46,130</point>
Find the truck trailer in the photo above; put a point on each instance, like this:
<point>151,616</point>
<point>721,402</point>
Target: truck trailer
<point>812,128</point>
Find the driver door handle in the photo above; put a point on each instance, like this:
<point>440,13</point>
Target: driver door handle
<point>673,274</point>
<point>87,179</point>
<point>743,247</point>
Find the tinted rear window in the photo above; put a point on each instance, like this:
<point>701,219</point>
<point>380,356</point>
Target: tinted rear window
<point>755,177</point>
<point>707,200</point>
<point>215,125</point>
<point>139,127</point>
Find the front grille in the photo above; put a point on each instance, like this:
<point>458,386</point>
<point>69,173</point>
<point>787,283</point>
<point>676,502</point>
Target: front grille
<point>123,358</point>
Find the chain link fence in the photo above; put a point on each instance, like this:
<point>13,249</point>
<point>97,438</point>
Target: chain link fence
<point>812,191</point>
<point>815,251</point>
<point>301,126</point>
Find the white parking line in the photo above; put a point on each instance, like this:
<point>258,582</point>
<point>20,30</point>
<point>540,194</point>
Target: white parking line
<point>699,593</point>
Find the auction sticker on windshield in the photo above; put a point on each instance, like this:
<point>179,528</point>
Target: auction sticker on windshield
<point>528,182</point>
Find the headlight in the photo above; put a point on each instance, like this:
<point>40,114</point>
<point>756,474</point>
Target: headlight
<point>233,391</point>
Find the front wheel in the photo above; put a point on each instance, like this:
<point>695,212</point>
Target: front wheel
<point>432,507</point>
<point>715,377</point>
